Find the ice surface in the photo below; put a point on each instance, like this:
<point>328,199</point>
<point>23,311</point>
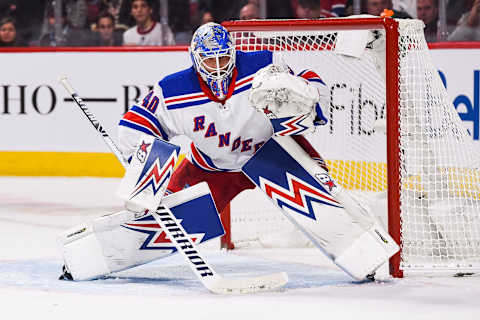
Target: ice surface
<point>34,210</point>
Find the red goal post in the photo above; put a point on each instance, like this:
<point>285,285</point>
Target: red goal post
<point>422,128</point>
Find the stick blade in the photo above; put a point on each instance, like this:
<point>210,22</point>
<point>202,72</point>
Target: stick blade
<point>250,285</point>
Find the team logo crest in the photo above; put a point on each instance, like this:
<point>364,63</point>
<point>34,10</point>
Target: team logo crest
<point>326,180</point>
<point>267,111</point>
<point>143,151</point>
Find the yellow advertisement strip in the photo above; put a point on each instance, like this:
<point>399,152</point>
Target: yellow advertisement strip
<point>353,175</point>
<point>69,164</point>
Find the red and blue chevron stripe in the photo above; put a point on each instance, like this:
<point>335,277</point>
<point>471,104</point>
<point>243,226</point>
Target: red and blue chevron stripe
<point>299,195</point>
<point>311,76</point>
<point>276,171</point>
<point>289,126</point>
<point>154,178</point>
<point>156,237</point>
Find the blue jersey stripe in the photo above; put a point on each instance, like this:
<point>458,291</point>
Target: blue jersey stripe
<point>250,62</point>
<point>246,87</point>
<point>188,104</point>
<point>137,127</point>
<point>150,116</point>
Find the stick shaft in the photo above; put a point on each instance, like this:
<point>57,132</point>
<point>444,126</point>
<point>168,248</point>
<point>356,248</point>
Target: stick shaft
<point>95,123</point>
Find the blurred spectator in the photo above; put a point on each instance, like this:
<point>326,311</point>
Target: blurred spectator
<point>146,32</point>
<point>125,15</point>
<point>180,21</point>
<point>12,8</point>
<point>69,37</point>
<point>114,7</point>
<point>456,8</point>
<point>83,13</point>
<point>468,27</point>
<point>334,7</point>
<point>201,17</point>
<point>427,11</point>
<point>28,14</point>
<point>230,10</point>
<point>311,9</point>
<point>408,6</point>
<point>249,11</point>
<point>94,8</point>
<point>105,34</point>
<point>221,10</point>
<point>247,40</point>
<point>179,17</point>
<point>278,9</point>
<point>8,33</point>
<point>76,11</point>
<point>376,8</point>
<point>206,17</point>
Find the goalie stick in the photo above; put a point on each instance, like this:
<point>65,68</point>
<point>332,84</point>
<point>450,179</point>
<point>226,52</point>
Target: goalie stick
<point>176,233</point>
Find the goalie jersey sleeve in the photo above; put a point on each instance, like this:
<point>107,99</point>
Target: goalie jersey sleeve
<point>147,117</point>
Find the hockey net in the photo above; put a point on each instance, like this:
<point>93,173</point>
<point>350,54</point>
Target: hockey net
<point>393,139</point>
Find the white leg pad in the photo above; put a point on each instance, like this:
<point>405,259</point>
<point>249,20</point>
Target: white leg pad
<point>367,253</point>
<point>102,246</point>
<point>84,257</point>
<point>340,226</point>
<point>125,239</point>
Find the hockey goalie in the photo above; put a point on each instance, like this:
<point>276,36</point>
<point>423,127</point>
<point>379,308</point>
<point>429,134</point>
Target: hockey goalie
<point>245,114</point>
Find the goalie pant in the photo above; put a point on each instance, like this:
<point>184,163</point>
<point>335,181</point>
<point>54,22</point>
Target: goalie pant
<point>224,186</point>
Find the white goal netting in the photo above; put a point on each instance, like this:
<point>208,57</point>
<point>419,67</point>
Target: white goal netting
<point>436,161</point>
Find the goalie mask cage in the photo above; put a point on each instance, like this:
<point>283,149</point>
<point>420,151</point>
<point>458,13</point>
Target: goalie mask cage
<point>421,171</point>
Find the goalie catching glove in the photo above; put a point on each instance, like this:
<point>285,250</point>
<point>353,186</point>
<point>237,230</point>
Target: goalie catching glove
<point>287,100</point>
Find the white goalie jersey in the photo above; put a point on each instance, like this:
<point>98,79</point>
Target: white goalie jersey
<point>224,135</point>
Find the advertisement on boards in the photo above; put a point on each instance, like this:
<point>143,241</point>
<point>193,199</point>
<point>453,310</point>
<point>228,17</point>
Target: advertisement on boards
<point>40,116</point>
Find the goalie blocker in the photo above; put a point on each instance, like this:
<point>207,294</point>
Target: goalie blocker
<point>148,173</point>
<point>310,199</point>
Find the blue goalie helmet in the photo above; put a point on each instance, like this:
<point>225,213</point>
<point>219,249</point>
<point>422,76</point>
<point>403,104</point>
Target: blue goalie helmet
<point>213,55</point>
